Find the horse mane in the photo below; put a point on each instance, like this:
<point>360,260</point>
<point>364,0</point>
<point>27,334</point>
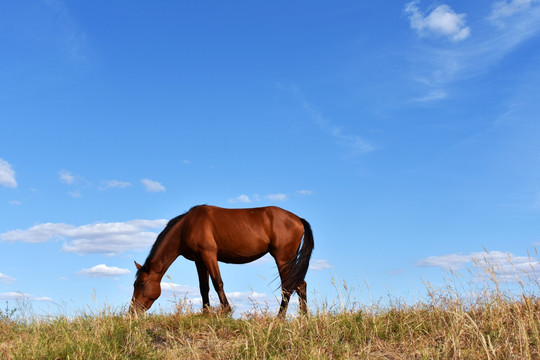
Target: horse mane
<point>146,267</point>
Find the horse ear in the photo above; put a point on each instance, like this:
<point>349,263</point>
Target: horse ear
<point>139,266</point>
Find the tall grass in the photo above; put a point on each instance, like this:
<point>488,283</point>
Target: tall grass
<point>482,319</point>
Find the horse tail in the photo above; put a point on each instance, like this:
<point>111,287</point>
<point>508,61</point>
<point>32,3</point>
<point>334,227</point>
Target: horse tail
<point>297,267</point>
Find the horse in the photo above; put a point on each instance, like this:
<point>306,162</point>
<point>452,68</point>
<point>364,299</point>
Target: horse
<point>208,234</point>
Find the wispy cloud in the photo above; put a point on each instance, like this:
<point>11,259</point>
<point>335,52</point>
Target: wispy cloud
<point>19,296</point>
<point>105,238</point>
<point>277,197</point>
<point>245,199</point>
<point>7,174</point>
<point>320,264</point>
<point>240,199</point>
<point>74,181</point>
<point>71,34</point>
<point>152,185</point>
<point>103,270</point>
<point>439,65</point>
<point>536,200</point>
<point>66,177</point>
<point>112,184</point>
<point>77,181</point>
<point>356,143</point>
<point>5,279</point>
<point>505,266</point>
<point>503,10</point>
<point>447,262</point>
<point>76,194</point>
<point>433,95</point>
<point>441,22</point>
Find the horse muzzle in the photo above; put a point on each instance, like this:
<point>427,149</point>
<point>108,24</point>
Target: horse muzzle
<point>136,308</point>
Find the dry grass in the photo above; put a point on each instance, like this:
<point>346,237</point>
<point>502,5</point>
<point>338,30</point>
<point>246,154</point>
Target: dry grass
<point>494,324</point>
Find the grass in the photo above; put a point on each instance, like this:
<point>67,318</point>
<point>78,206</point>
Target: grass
<point>492,324</point>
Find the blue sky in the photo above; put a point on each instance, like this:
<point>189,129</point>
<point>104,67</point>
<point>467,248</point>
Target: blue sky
<point>405,132</point>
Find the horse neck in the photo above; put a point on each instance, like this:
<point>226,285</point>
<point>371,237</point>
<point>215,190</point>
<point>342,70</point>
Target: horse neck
<point>165,254</point>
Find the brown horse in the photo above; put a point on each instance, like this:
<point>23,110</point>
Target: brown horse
<point>208,234</point>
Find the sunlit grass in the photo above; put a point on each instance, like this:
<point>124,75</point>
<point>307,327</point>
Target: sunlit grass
<point>479,318</point>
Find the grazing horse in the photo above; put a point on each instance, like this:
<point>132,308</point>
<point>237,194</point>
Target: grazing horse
<point>208,234</point>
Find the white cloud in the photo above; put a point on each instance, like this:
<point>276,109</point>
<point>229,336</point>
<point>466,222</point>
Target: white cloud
<point>442,21</point>
<point>36,234</point>
<point>103,270</point>
<point>110,184</point>
<point>320,264</point>
<point>243,199</point>
<point>245,295</point>
<point>170,289</point>
<point>450,261</point>
<point>5,279</point>
<point>242,301</point>
<point>15,202</point>
<point>245,301</point>
<point>105,238</point>
<point>66,177</point>
<point>505,266</point>
<point>262,260</point>
<point>22,296</point>
<point>305,192</point>
<point>152,186</point>
<point>7,174</point>
<point>277,197</point>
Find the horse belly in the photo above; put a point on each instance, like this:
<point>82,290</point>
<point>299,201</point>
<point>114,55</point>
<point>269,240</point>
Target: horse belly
<point>240,250</point>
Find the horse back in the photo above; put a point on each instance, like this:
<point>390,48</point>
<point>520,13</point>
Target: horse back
<point>240,235</point>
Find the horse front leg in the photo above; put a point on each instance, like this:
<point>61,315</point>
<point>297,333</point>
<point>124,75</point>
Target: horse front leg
<point>204,286</point>
<point>210,261</point>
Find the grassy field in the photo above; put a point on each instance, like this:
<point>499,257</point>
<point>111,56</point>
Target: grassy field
<point>493,324</point>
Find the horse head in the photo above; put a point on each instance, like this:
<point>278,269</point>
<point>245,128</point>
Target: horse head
<point>146,290</point>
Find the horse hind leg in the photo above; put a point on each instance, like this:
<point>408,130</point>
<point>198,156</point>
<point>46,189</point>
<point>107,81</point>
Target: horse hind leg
<point>285,292</point>
<point>301,290</point>
<point>302,295</point>
<point>285,297</point>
